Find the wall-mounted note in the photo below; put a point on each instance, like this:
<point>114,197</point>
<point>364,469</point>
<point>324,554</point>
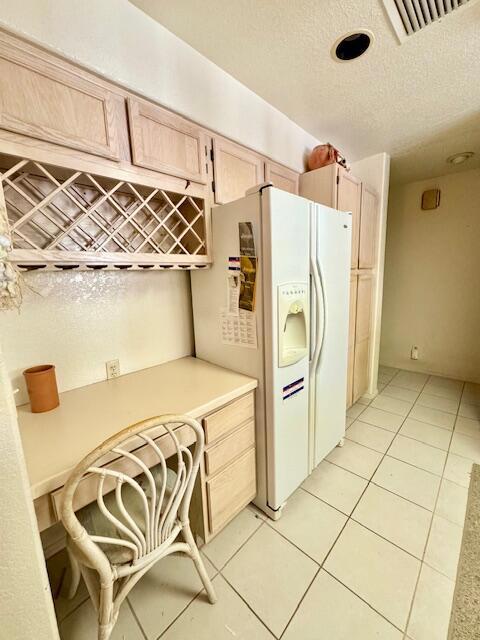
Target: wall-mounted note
<point>247,240</point>
<point>233,292</point>
<point>239,330</point>
<point>248,277</point>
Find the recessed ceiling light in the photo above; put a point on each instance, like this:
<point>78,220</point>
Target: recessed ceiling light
<point>352,45</point>
<point>458,158</point>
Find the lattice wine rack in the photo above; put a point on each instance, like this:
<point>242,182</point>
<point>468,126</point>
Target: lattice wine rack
<point>68,219</point>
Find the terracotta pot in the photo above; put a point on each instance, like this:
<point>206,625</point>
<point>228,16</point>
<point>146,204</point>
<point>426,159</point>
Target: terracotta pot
<point>42,388</point>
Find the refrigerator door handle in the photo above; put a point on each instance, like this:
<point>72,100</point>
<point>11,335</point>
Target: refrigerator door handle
<point>313,318</point>
<point>323,317</point>
<point>319,313</point>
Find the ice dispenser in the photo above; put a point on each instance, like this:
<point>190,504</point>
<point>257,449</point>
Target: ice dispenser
<point>293,315</point>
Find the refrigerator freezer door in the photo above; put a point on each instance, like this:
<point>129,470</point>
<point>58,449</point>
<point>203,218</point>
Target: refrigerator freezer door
<point>210,296</point>
<point>285,230</point>
<point>330,274</point>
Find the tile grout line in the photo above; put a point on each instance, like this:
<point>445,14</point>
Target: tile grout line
<point>381,615</point>
<point>399,434</point>
<point>199,593</point>
<point>135,617</point>
<point>349,517</point>
<point>370,482</point>
<point>405,637</point>
<point>219,573</point>
<point>264,624</point>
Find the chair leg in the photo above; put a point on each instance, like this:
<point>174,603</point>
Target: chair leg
<point>106,617</point>
<point>197,559</point>
<point>76,575</point>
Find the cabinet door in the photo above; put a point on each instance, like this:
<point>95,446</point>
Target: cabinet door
<point>43,101</point>
<point>368,229</point>
<point>281,177</point>
<point>360,369</point>
<point>362,335</point>
<point>236,169</point>
<point>320,185</point>
<point>348,199</point>
<point>364,306</point>
<point>351,338</point>
<point>165,142</point>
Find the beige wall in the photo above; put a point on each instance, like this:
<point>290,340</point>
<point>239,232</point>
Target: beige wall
<point>432,278</point>
<point>78,321</point>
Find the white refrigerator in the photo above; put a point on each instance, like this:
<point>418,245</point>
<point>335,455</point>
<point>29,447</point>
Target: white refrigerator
<point>287,326</point>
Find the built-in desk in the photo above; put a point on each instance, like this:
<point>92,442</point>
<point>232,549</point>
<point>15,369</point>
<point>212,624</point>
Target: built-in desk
<point>55,441</point>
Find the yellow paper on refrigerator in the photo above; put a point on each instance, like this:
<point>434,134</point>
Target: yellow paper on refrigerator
<point>248,277</point>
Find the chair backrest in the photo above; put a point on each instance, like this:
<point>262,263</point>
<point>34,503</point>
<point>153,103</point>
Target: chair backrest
<point>133,462</point>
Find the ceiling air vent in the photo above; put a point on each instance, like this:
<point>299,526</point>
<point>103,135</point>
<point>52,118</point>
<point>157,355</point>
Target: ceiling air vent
<point>409,16</point>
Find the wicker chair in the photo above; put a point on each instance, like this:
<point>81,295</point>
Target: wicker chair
<point>139,512</point>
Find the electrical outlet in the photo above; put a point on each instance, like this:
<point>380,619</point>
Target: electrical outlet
<point>113,369</point>
<point>414,353</point>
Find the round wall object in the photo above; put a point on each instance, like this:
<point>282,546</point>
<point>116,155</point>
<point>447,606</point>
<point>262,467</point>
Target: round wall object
<point>352,45</point>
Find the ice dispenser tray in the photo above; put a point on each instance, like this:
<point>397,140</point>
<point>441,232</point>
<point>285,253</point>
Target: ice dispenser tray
<point>293,315</point>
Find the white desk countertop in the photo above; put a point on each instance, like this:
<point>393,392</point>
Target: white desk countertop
<point>55,441</point>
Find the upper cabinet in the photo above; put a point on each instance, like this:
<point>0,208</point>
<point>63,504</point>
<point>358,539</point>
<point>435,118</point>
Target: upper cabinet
<point>335,187</point>
<point>236,169</point>
<point>349,193</point>
<point>47,102</point>
<point>368,229</point>
<point>281,177</point>
<point>165,142</point>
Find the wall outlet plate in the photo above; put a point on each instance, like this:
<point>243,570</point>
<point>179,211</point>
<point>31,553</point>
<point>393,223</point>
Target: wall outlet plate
<point>113,369</point>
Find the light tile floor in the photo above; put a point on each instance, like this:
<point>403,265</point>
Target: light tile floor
<point>366,548</point>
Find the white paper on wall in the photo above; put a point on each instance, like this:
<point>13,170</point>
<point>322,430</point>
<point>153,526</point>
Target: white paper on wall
<point>239,329</point>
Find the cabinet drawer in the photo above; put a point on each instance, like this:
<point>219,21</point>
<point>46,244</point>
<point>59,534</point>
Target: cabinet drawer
<point>165,142</point>
<point>221,422</point>
<point>229,448</point>
<point>231,490</point>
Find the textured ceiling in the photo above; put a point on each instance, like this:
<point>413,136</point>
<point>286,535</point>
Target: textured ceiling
<point>419,101</point>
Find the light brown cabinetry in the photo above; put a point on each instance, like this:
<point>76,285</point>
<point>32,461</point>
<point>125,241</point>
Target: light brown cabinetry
<point>236,169</point>
<point>362,334</point>
<point>368,229</point>
<point>165,142</point>
<point>351,337</point>
<point>230,475</point>
<point>231,490</point>
<point>349,191</point>
<point>281,177</point>
<point>335,187</point>
<point>47,102</point>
